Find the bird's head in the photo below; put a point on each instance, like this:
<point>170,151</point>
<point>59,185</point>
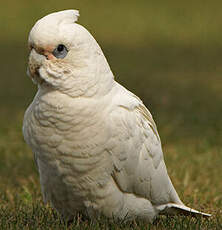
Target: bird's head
<point>64,56</point>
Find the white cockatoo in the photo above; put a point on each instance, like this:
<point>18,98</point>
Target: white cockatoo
<point>95,144</point>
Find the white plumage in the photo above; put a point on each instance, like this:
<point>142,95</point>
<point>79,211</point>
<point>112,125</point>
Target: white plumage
<point>96,145</point>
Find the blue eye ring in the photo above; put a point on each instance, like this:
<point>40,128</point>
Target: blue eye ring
<point>60,51</point>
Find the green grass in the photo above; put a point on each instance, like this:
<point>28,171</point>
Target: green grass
<point>169,54</point>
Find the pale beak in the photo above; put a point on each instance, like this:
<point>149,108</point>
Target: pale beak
<point>35,62</point>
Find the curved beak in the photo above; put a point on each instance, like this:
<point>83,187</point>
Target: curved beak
<point>35,62</point>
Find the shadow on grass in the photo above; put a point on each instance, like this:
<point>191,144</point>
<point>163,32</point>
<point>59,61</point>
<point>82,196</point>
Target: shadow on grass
<point>38,216</point>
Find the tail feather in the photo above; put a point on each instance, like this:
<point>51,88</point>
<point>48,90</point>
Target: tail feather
<point>173,209</point>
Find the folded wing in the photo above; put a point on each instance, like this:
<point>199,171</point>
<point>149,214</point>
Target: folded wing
<point>136,151</point>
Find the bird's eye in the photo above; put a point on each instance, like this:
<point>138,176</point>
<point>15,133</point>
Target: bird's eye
<point>60,51</point>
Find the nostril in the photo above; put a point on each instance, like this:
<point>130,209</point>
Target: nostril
<point>48,55</point>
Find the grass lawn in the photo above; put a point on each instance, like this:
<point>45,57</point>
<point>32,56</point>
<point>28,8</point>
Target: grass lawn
<point>169,53</point>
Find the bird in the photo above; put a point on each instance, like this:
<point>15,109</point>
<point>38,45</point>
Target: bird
<point>95,144</point>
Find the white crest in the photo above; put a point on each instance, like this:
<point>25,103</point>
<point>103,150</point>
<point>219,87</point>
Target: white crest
<point>65,16</point>
<point>47,28</point>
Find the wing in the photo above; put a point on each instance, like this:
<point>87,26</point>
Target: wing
<point>136,151</point>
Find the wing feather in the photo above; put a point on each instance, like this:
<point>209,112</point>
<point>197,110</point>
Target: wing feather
<point>136,151</point>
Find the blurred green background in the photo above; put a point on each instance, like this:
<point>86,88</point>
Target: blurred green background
<point>166,52</point>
